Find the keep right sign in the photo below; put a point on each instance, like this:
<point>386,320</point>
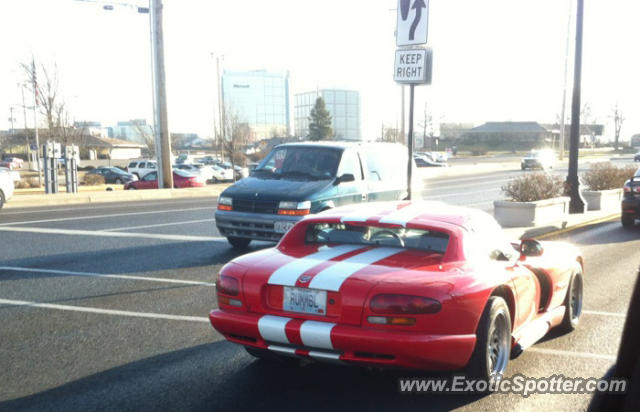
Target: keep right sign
<point>413,66</point>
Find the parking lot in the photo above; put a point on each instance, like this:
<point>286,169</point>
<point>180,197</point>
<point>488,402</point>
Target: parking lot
<point>105,307</point>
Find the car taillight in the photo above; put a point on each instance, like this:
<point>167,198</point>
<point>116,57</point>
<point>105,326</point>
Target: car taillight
<point>228,285</point>
<point>626,188</point>
<point>404,304</point>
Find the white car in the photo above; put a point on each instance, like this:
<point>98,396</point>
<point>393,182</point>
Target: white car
<point>197,169</point>
<point>221,174</point>
<point>15,175</point>
<point>141,167</point>
<point>6,187</point>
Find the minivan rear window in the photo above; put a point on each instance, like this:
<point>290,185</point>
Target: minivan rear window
<point>340,233</point>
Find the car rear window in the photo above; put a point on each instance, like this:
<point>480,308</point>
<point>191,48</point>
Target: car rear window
<point>182,173</point>
<point>425,240</point>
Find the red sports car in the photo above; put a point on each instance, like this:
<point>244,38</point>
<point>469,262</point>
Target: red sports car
<point>411,284</point>
<point>180,179</point>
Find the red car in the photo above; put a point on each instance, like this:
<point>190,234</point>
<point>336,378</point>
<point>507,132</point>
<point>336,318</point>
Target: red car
<point>419,285</point>
<point>180,179</point>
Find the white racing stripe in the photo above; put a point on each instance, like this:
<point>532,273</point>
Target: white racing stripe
<point>403,216</point>
<point>97,233</point>
<point>272,328</point>
<point>332,277</point>
<point>103,311</point>
<point>316,334</point>
<point>288,274</point>
<point>105,275</point>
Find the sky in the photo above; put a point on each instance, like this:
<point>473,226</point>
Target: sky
<point>493,60</point>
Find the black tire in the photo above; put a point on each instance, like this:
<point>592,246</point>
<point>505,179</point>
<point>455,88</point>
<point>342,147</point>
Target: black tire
<point>627,220</point>
<point>131,188</point>
<point>214,180</point>
<point>1,199</point>
<point>573,301</point>
<point>522,167</point>
<point>493,342</point>
<point>238,242</point>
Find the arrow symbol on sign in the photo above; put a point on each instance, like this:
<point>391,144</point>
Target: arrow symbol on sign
<point>404,9</point>
<point>418,5</point>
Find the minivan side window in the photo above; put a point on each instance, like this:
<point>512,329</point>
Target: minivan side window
<point>141,165</point>
<point>151,165</point>
<point>350,164</point>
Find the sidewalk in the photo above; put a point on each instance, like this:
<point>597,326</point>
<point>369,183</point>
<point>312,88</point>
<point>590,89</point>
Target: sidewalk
<point>571,222</point>
<point>35,200</point>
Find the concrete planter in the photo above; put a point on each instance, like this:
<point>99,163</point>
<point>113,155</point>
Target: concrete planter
<point>603,199</point>
<point>525,214</point>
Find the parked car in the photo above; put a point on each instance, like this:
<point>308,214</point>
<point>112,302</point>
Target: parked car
<point>422,285</point>
<point>181,179</point>
<point>12,163</point>
<point>630,207</point>
<point>15,175</point>
<point>636,157</point>
<point>113,175</point>
<point>538,159</point>
<point>197,169</point>
<point>297,179</point>
<point>221,174</point>
<point>141,167</point>
<point>424,161</point>
<point>6,187</point>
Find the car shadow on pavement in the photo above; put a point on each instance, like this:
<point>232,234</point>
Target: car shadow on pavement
<point>129,260</point>
<point>221,376</point>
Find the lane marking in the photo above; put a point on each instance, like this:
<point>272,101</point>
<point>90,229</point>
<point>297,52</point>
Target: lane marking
<point>64,219</point>
<point>436,196</point>
<point>601,313</point>
<point>288,274</point>
<point>183,238</point>
<point>103,311</point>
<point>132,204</point>
<point>597,221</point>
<point>334,276</point>
<point>488,183</point>
<point>187,222</point>
<point>566,353</point>
<point>106,275</point>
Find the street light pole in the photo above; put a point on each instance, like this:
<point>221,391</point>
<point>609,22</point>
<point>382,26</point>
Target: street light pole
<point>577,203</point>
<point>161,125</point>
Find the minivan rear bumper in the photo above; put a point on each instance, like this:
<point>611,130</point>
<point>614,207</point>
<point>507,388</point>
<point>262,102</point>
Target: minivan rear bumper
<point>255,226</point>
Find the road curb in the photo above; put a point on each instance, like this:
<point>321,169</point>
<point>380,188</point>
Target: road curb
<point>62,199</point>
<point>544,234</point>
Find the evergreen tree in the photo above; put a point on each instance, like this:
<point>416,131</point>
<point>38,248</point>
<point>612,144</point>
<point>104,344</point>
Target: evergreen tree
<point>320,122</point>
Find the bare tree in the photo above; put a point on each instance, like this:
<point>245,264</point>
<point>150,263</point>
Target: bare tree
<point>427,127</point>
<point>237,135</point>
<point>148,136</point>
<point>618,119</point>
<point>46,87</point>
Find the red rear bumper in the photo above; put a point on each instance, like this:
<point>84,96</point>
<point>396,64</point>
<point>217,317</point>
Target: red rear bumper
<point>327,341</point>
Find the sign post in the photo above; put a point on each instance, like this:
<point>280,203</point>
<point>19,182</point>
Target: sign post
<point>413,64</point>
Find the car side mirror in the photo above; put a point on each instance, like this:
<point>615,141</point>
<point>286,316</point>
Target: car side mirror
<point>347,177</point>
<point>531,247</point>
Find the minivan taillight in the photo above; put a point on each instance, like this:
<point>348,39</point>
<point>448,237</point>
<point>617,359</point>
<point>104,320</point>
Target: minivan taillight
<point>404,304</point>
<point>227,285</point>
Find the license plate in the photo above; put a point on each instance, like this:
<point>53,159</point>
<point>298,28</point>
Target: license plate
<point>305,300</point>
<point>282,227</point>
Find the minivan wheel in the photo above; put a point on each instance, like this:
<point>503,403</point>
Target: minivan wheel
<point>627,220</point>
<point>238,242</point>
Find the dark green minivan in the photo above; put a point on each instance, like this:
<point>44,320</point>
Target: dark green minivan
<point>297,179</point>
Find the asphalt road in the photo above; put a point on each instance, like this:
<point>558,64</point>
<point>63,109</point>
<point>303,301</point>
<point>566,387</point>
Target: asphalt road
<point>103,307</point>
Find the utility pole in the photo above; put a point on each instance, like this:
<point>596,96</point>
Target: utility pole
<point>221,110</point>
<point>161,125</point>
<point>35,120</point>
<point>402,111</point>
<point>577,203</point>
<point>564,87</point>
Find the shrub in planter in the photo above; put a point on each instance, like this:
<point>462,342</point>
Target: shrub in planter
<point>91,180</point>
<point>534,186</point>
<point>605,176</point>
